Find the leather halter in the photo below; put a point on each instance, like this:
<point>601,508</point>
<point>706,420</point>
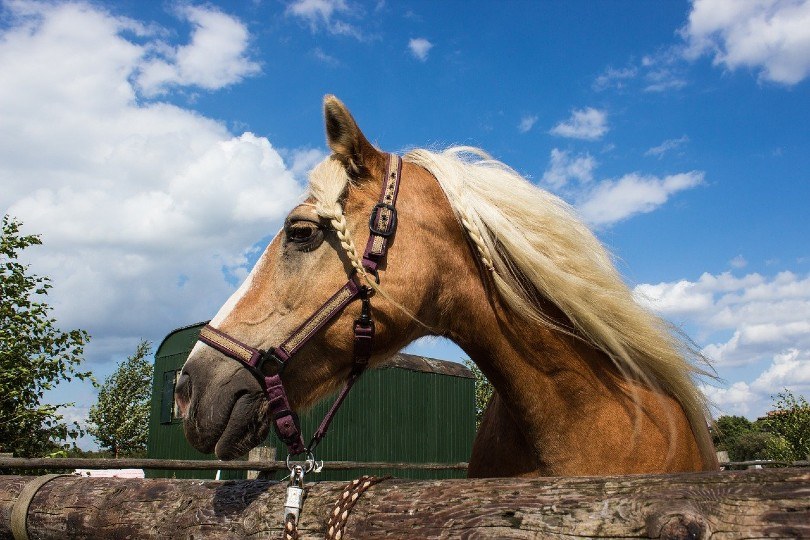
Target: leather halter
<point>382,225</point>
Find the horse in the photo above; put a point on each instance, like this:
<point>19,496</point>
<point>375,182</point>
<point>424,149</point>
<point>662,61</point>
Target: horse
<point>587,381</point>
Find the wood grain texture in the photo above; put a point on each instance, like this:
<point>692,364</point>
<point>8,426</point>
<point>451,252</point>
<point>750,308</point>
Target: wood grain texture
<point>741,504</point>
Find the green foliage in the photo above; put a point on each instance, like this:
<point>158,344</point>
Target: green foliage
<point>34,355</point>
<point>789,424</point>
<point>729,428</point>
<point>751,445</point>
<point>742,439</point>
<point>483,391</point>
<point>120,419</point>
<point>784,435</point>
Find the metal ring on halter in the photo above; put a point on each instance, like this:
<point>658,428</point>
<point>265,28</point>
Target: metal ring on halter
<point>309,464</point>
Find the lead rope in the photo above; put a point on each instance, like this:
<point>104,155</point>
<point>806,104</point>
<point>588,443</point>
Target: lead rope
<point>339,515</point>
<point>343,507</point>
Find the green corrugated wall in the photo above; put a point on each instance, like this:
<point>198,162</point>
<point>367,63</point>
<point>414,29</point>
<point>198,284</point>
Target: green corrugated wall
<point>392,414</point>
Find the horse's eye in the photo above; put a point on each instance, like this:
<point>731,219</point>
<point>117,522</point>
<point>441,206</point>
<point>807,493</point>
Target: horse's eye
<point>302,232</point>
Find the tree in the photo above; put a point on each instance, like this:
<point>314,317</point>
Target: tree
<point>752,445</point>
<point>483,391</point>
<point>729,428</point>
<point>120,419</point>
<point>789,424</point>
<point>34,355</point>
<point>742,439</point>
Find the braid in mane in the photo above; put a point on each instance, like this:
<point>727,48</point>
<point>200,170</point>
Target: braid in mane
<point>328,182</point>
<point>477,239</point>
<point>338,221</point>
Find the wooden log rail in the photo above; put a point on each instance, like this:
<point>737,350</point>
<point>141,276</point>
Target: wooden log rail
<point>201,464</point>
<point>736,504</point>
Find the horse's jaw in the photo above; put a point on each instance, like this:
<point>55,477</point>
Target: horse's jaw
<point>224,410</point>
<point>247,426</point>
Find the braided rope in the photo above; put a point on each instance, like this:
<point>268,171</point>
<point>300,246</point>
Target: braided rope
<point>343,507</point>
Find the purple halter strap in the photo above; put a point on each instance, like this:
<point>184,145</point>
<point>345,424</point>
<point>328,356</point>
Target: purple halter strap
<point>382,225</point>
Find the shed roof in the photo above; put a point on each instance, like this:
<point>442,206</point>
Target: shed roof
<point>427,365</point>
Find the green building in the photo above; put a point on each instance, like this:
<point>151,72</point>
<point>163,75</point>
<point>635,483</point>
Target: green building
<point>409,410</point>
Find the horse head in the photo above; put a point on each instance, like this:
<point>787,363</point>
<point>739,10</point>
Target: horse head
<point>319,248</point>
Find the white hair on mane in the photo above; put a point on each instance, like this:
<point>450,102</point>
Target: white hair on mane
<point>537,246</point>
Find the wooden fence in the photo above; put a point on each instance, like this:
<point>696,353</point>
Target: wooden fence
<point>731,504</point>
<point>208,465</point>
<point>272,465</point>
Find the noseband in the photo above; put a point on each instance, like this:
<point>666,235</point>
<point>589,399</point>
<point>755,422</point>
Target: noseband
<point>382,225</point>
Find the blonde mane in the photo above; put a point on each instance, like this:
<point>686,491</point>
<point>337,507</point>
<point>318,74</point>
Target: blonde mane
<point>534,246</point>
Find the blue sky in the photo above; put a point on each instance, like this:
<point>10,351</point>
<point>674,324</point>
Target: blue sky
<point>156,146</point>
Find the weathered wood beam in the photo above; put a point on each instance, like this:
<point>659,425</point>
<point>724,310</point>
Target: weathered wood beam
<point>735,504</point>
<point>200,464</point>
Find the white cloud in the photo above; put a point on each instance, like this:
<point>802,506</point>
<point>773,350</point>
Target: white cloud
<point>216,56</point>
<point>662,79</point>
<point>614,200</point>
<point>666,146</point>
<point>563,168</point>
<point>420,47</point>
<point>738,262</point>
<point>674,299</point>
<point>324,14</point>
<point>615,78</point>
<point>317,10</point>
<point>769,36</point>
<point>790,369</point>
<point>657,72</point>
<point>328,59</point>
<point>744,322</point>
<point>753,318</point>
<point>589,124</point>
<point>145,208</point>
<point>602,203</point>
<point>736,399</point>
<point>527,123</point>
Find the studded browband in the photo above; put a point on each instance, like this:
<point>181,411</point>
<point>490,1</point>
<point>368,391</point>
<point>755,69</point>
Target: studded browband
<point>382,225</point>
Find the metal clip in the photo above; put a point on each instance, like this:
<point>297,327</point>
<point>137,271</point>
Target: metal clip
<point>295,495</point>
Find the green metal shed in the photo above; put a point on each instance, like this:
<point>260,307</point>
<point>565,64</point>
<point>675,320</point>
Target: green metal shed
<point>410,409</point>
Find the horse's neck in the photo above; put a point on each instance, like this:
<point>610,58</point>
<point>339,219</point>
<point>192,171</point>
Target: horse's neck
<point>543,387</point>
<point>563,408</point>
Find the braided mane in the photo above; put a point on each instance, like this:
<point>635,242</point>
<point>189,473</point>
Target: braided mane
<point>327,182</point>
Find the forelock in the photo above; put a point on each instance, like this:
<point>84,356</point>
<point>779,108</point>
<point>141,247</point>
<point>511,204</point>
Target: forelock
<point>327,183</point>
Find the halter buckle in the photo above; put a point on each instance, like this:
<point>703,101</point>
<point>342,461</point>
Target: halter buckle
<point>270,354</point>
<point>391,224</point>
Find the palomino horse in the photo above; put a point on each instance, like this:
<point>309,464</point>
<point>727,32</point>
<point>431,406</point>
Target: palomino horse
<point>587,381</point>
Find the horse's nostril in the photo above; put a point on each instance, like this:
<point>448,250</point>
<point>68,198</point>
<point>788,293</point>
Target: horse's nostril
<point>182,393</point>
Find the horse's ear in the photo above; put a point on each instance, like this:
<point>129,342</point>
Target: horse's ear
<point>346,140</point>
